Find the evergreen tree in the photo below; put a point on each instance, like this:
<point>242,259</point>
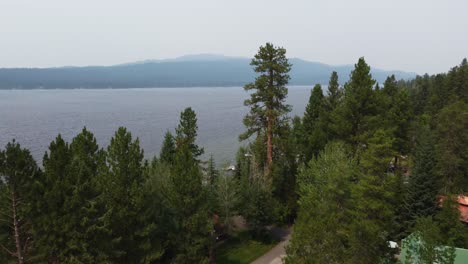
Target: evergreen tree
<point>243,163</point>
<point>425,245</point>
<point>448,218</point>
<point>168,149</point>
<point>48,212</point>
<point>186,132</point>
<point>18,170</point>
<point>258,204</point>
<point>267,107</point>
<point>334,93</point>
<point>228,197</point>
<point>188,201</point>
<point>452,153</point>
<point>396,115</point>
<point>457,82</point>
<point>212,172</point>
<point>121,187</point>
<point>331,115</point>
<point>84,228</point>
<point>313,123</point>
<point>157,213</point>
<point>372,208</point>
<point>358,111</point>
<point>320,231</point>
<point>423,187</point>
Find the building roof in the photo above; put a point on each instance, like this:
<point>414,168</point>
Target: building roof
<point>462,207</point>
<point>461,254</point>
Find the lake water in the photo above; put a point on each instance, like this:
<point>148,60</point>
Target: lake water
<point>35,117</point>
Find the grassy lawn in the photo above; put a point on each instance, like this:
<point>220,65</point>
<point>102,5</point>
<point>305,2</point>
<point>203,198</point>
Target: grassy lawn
<point>242,249</point>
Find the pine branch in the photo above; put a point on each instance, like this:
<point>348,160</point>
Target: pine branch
<point>8,251</point>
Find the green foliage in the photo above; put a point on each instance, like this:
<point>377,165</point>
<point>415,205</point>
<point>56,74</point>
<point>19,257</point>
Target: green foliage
<point>452,151</point>
<point>313,124</point>
<point>18,170</point>
<point>91,205</point>
<point>425,244</point>
<point>258,204</point>
<point>228,198</point>
<point>186,133</point>
<point>267,102</point>
<point>121,185</point>
<point>396,114</point>
<point>334,93</point>
<point>452,231</point>
<point>212,173</point>
<point>358,110</point>
<point>320,231</point>
<point>423,186</point>
<point>241,249</point>
<point>84,227</point>
<point>48,212</point>
<point>188,201</point>
<point>373,205</point>
<point>168,149</point>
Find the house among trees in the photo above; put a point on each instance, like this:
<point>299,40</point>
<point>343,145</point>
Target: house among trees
<point>463,208</point>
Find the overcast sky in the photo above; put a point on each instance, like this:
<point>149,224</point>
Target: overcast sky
<point>412,35</point>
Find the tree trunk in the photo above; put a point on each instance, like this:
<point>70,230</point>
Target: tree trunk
<point>14,205</point>
<point>269,146</point>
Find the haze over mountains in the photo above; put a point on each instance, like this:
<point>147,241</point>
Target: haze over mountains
<point>207,70</point>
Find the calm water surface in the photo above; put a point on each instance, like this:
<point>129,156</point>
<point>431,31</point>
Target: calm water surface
<point>35,117</point>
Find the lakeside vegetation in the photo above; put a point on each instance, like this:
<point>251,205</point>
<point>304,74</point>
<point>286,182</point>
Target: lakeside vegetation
<point>367,163</point>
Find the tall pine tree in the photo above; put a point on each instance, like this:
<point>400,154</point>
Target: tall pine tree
<point>359,108</point>
<point>18,170</point>
<point>423,187</point>
<point>267,102</point>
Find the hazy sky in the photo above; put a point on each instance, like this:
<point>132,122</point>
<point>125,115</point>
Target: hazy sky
<point>412,35</point>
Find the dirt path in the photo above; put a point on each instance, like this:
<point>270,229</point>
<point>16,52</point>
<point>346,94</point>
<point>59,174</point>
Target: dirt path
<point>275,255</point>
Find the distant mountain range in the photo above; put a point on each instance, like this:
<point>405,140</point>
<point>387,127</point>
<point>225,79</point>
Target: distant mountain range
<point>186,71</point>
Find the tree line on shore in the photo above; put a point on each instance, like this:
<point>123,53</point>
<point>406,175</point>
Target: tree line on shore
<point>364,165</point>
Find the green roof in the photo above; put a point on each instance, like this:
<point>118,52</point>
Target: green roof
<point>461,255</point>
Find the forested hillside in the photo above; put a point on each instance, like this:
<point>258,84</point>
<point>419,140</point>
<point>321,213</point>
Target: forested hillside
<point>187,71</point>
<point>367,163</point>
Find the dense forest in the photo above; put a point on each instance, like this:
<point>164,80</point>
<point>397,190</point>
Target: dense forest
<point>367,163</point>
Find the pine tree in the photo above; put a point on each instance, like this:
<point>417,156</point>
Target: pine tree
<point>372,196</point>
<point>334,93</point>
<point>452,153</point>
<point>168,149</point>
<point>313,123</point>
<point>186,132</point>
<point>188,200</point>
<point>358,111</point>
<point>84,229</point>
<point>212,172</point>
<point>121,186</point>
<point>320,231</point>
<point>425,245</point>
<point>396,115</point>
<point>267,102</point>
<point>423,187</point>
<point>18,170</point>
<point>228,197</point>
<point>331,115</point>
<point>48,211</point>
<point>448,218</point>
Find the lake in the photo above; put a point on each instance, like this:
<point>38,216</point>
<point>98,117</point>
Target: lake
<point>35,117</point>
